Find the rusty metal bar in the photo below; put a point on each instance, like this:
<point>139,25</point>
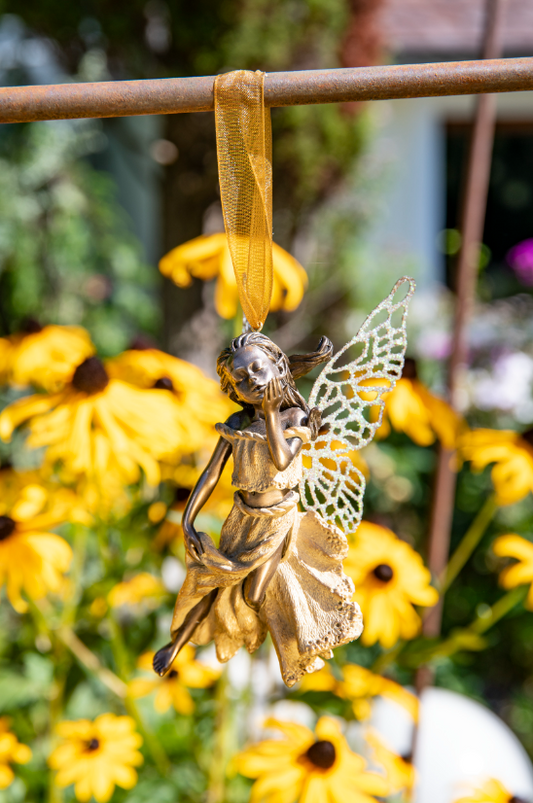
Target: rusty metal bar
<point>173,95</point>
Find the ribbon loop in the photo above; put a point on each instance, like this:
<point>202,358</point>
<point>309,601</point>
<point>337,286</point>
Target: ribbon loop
<point>244,147</point>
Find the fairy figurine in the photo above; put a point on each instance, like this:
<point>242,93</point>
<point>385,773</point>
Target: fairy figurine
<point>278,570</point>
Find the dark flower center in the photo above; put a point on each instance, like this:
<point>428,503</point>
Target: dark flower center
<point>407,757</point>
<point>527,436</point>
<point>515,799</point>
<point>409,369</point>
<point>383,572</point>
<point>7,526</point>
<point>322,754</point>
<point>164,383</point>
<point>90,376</point>
<point>30,326</point>
<point>142,343</point>
<point>172,674</point>
<point>94,744</point>
<point>182,494</point>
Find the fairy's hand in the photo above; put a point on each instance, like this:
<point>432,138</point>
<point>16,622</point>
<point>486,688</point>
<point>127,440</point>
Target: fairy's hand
<point>273,396</point>
<point>193,545</point>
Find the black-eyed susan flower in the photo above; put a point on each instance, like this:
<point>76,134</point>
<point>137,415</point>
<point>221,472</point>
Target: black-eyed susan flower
<point>512,455</point>
<point>11,752</point>
<point>143,589</point>
<point>413,409</point>
<point>99,428</point>
<point>360,686</point>
<point>96,756</point>
<point>44,356</point>
<point>32,559</point>
<point>492,791</point>
<point>390,578</point>
<point>208,257</point>
<point>399,771</point>
<point>200,404</point>
<point>308,767</point>
<point>173,689</point>
<point>521,573</point>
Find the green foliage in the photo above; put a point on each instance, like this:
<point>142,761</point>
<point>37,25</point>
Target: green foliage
<point>66,254</point>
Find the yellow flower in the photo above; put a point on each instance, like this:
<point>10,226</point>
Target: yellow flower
<point>98,607</point>
<point>513,546</point>
<point>157,512</point>
<point>32,559</point>
<point>63,503</point>
<point>45,357</point>
<point>10,751</point>
<point>412,409</point>
<point>512,475</point>
<point>101,500</point>
<point>200,404</point>
<point>173,689</point>
<point>492,791</point>
<point>360,685</point>
<point>389,579</point>
<point>99,427</point>
<point>95,756</point>
<point>308,769</point>
<point>400,772</point>
<point>208,257</point>
<point>143,589</point>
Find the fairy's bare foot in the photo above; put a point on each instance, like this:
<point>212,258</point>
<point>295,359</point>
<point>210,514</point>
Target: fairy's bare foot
<point>164,658</point>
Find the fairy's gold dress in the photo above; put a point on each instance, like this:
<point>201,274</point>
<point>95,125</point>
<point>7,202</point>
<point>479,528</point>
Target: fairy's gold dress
<point>308,608</point>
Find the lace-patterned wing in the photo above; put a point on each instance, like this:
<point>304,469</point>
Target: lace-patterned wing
<point>349,393</point>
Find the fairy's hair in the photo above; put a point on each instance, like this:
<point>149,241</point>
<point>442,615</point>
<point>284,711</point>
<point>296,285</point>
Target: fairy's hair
<point>301,364</point>
<point>290,368</point>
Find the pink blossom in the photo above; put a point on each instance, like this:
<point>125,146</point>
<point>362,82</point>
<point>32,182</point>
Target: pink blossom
<point>520,258</point>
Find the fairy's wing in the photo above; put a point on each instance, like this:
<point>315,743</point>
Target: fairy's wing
<point>349,393</point>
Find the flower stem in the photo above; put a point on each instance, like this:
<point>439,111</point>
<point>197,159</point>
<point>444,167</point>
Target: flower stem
<point>469,542</point>
<point>68,615</point>
<point>90,661</point>
<point>217,767</point>
<point>386,658</point>
<point>500,609</point>
<point>155,749</point>
<point>463,639</point>
<point>120,655</point>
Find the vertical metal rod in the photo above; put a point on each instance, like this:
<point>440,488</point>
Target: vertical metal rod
<point>472,223</point>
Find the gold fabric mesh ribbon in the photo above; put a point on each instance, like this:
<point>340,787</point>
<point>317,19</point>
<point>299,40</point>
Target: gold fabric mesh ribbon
<point>244,146</point>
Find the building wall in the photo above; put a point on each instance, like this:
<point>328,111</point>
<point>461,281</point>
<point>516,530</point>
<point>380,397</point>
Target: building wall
<point>410,146</point>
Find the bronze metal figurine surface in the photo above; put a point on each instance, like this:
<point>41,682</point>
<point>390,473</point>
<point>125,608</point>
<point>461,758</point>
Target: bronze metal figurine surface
<point>278,570</point>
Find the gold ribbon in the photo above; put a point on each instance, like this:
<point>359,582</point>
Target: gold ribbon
<point>244,147</point>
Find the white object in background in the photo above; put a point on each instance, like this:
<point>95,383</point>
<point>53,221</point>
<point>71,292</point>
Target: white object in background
<point>460,744</point>
<point>173,574</point>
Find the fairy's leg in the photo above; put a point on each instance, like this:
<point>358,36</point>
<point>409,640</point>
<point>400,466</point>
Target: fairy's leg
<point>164,658</point>
<point>257,582</point>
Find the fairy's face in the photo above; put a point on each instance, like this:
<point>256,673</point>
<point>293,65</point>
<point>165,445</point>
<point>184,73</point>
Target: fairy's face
<point>251,370</point>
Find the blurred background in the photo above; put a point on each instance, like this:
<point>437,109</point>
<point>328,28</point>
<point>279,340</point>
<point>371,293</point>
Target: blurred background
<point>363,194</point>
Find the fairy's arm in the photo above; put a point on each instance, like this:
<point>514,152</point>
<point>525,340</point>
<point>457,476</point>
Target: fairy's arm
<point>201,492</point>
<point>282,451</point>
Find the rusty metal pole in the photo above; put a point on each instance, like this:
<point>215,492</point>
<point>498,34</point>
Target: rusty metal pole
<point>24,104</point>
<point>472,223</point>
